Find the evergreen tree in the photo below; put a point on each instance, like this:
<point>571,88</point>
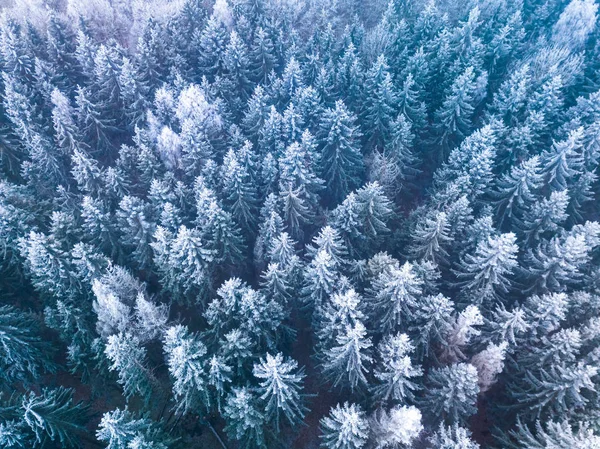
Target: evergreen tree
<point>452,437</point>
<point>24,353</point>
<point>380,103</point>
<point>564,161</point>
<point>340,163</point>
<point>346,427</point>
<point>452,392</point>
<point>394,369</point>
<point>395,292</point>
<point>347,361</point>
<point>185,359</point>
<point>485,273</point>
<point>54,416</point>
<point>120,429</point>
<point>280,388</point>
<point>128,359</point>
<point>430,237</point>
<point>244,420</point>
<point>401,426</point>
<point>239,190</point>
<point>453,119</point>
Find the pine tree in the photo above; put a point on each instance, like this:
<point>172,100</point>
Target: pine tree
<point>346,362</point>
<point>485,274</point>
<point>430,238</point>
<point>552,433</point>
<point>346,427</point>
<point>54,416</point>
<point>452,437</point>
<point>320,277</point>
<point>120,429</point>
<point>24,353</point>
<point>239,190</point>
<point>262,56</point>
<point>280,388</point>
<point>545,216</point>
<point>451,392</point>
<point>516,190</point>
<point>340,163</point>
<point>394,369</point>
<point>256,113</point>
<point>185,359</point>
<point>400,427</point>
<point>453,119</point>
<point>564,161</point>
<point>409,103</point>
<point>137,229</point>
<point>379,105</point>
<point>244,420</point>
<point>236,62</point>
<point>460,332</point>
<point>211,47</point>
<point>557,389</point>
<point>128,359</point>
<point>296,171</point>
<point>329,240</point>
<point>395,293</point>
<point>63,118</point>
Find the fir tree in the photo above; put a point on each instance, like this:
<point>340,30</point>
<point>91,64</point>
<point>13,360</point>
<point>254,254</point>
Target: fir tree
<point>452,392</point>
<point>347,362</point>
<point>128,359</point>
<point>244,420</point>
<point>340,163</point>
<point>280,388</point>
<point>485,273</point>
<point>394,369</point>
<point>185,359</point>
<point>54,416</point>
<point>346,427</point>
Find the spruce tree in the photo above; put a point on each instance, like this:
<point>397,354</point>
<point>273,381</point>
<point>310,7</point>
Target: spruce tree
<point>280,388</point>
<point>340,163</point>
<point>346,427</point>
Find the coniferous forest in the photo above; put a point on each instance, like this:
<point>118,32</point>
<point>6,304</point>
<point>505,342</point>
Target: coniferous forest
<point>252,224</point>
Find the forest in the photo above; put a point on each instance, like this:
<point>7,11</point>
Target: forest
<point>299,224</point>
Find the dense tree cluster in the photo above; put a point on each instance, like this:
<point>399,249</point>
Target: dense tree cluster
<point>284,223</point>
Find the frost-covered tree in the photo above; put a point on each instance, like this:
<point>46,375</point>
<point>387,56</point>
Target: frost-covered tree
<point>394,369</point>
<point>121,429</point>
<point>128,358</point>
<point>452,437</point>
<point>346,427</point>
<point>24,352</point>
<point>485,274</point>
<point>399,427</point>
<point>451,392</point>
<point>395,293</point>
<point>244,420</point>
<point>340,163</point>
<point>280,388</point>
<point>185,355</point>
<point>347,362</point>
